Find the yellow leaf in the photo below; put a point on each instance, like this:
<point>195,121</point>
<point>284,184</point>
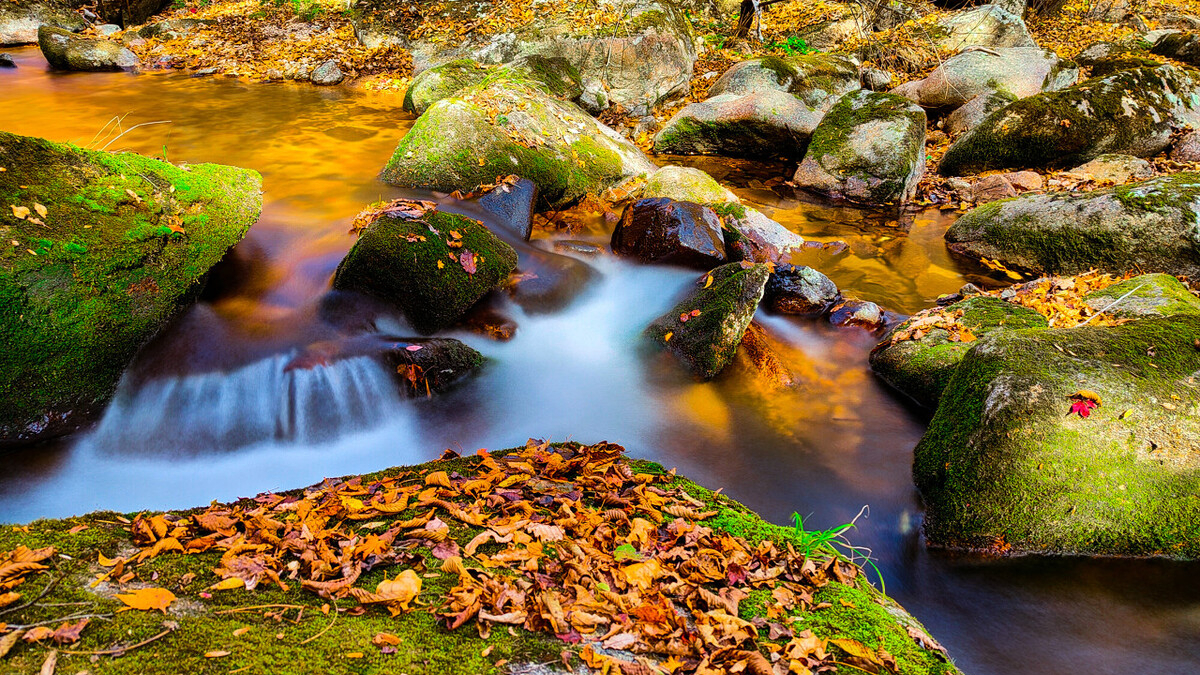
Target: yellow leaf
<point>858,650</point>
<point>385,639</point>
<point>7,599</point>
<point>354,655</point>
<point>20,212</point>
<point>396,593</point>
<point>108,562</point>
<point>147,599</point>
<point>41,210</point>
<point>228,584</point>
<point>241,631</point>
<point>216,654</point>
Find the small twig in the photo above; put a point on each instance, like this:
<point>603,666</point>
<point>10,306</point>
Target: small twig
<point>113,652</point>
<point>251,608</point>
<point>326,629</point>
<point>1113,304</point>
<point>72,617</point>
<point>143,124</point>
<point>49,587</point>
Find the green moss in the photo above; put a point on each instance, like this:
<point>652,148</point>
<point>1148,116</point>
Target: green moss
<point>1145,295</point>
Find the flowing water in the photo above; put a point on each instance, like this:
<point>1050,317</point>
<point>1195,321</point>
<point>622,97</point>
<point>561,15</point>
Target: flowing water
<point>216,408</point>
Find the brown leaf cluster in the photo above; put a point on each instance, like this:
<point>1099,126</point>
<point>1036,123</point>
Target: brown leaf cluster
<point>19,563</point>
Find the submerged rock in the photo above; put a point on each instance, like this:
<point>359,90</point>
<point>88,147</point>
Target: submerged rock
<point>506,128</point>
<point>1131,112</point>
<point>19,21</point>
<point>433,266</point>
<point>705,329</point>
<point>1020,71</point>
<point>799,290</point>
<point>869,148</point>
<point>1149,226</point>
<point>99,271</point>
<point>67,51</point>
<point>1006,465</point>
<point>860,313</point>
<point>662,230</point>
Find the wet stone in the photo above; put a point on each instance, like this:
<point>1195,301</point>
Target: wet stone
<point>666,231</point>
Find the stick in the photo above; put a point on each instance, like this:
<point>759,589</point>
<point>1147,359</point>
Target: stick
<point>73,617</point>
<point>326,630</point>
<point>114,652</point>
<point>50,586</point>
<point>235,610</point>
<point>1113,304</point>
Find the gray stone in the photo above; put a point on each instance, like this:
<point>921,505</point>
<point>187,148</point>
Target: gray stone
<point>816,79</point>
<point>757,125</point>
<point>1115,168</point>
<point>1020,71</point>
<point>984,26</point>
<point>67,51</point>
<point>108,29</point>
<point>1186,148</point>
<point>6,61</point>
<point>875,79</point>
<point>327,74</point>
<point>19,22</point>
<point>799,290</point>
<point>970,114</point>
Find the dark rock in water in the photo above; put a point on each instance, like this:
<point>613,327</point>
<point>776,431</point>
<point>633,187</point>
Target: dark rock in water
<point>1006,461</point>
<point>432,365</point>
<point>666,231</point>
<point>106,278</point>
<point>860,313</point>
<point>6,61</point>
<point>705,329</point>
<point>67,51</point>
<point>512,203</point>
<point>433,266</point>
<point>799,290</point>
<point>327,74</point>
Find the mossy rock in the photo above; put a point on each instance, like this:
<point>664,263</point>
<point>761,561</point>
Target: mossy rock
<point>724,304</point>
<point>1179,46</point>
<point>554,76</point>
<point>434,84</point>
<point>82,293</point>
<point>1148,226</point>
<point>921,368</point>
<point>761,124</point>
<point>1145,295</point>
<point>685,184</point>
<point>66,51</point>
<point>869,148</point>
<point>815,79</point>
<point>417,264</point>
<point>19,21</point>
<point>318,642</point>
<point>1005,465</point>
<point>1131,112</point>
<point>1021,71</point>
<point>508,127</point>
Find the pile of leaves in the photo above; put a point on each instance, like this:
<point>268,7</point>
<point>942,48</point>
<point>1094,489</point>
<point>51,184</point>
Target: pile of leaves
<point>16,566</point>
<point>928,320</point>
<point>568,541</point>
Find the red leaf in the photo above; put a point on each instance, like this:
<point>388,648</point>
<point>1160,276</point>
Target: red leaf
<point>1082,407</point>
<point>467,260</point>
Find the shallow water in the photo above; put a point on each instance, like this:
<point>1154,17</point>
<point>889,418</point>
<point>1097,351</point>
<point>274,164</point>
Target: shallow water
<point>210,413</point>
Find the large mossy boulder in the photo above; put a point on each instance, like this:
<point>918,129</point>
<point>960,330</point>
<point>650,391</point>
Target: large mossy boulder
<point>1149,226</point>
<point>554,76</point>
<point>920,365</point>
<point>869,148</point>
<point>66,51</point>
<point>19,21</point>
<point>1006,465</point>
<point>1020,71</point>
<point>987,26</point>
<point>433,265</point>
<point>509,127</point>
<point>1132,112</point>
<point>705,329</point>
<point>121,248</point>
<point>1144,296</point>
<point>970,114</point>
<point>758,125</point>
<point>817,80</point>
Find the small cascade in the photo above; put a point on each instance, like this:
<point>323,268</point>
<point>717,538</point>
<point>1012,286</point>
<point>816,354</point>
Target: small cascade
<point>261,401</point>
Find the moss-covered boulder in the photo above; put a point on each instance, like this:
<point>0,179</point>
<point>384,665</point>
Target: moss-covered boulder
<point>686,184</point>
<point>555,76</point>
<point>1179,46</point>
<point>566,580</point>
<point>432,265</point>
<point>757,125</point>
<point>970,114</point>
<point>988,26</point>
<point>817,80</point>
<point>1007,465</point>
<point>704,330</point>
<point>66,51</point>
<point>1149,226</point>
<point>108,248</point>
<point>918,357</point>
<point>869,148</point>
<point>1143,296</point>
<point>1132,112</point>
<point>1021,71</point>
<point>434,84</point>
<point>509,127</point>
<point>19,21</point>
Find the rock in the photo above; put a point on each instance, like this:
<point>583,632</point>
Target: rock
<point>1131,112</point>
<point>757,125</point>
<point>1024,181</point>
<point>800,290</point>
<point>442,81</point>
<point>1004,465</point>
<point>1115,168</point>
<point>66,51</point>
<point>1186,148</point>
<point>1179,46</point>
<point>686,185</point>
<point>130,12</point>
<point>168,29</point>
<point>860,313</point>
<point>1145,295</point>
<point>869,148</point>
<point>327,74</point>
<point>647,61</point>
<point>717,314</point>
<point>970,114</point>
<point>985,26</point>
<point>507,128</point>
<point>875,79</point>
<point>921,367</point>
<point>108,29</point>
<point>555,76</point>
<point>6,61</point>
<point>1148,226</point>
<point>1117,64</point>
<point>109,272</point>
<point>827,36</point>
<point>396,259</point>
<point>817,80</point>
<point>1099,51</point>
<point>665,231</point>
<point>422,366</point>
<point>512,203</point>
<point>993,187</point>
<point>19,21</point>
<point>1020,71</point>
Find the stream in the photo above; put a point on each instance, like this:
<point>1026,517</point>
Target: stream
<point>211,411</point>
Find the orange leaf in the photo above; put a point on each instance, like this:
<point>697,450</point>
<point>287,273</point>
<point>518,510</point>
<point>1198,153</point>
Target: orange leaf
<point>147,599</point>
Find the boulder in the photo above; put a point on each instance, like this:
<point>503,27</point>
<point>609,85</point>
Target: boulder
<point>1126,62</point>
<point>704,330</point>
<point>686,184</point>
<point>988,26</point>
<point>860,313</point>
<point>130,12</point>
<point>1179,46</point>
<point>875,79</point>
<point>756,125</point>
<point>422,366</point>
<point>442,81</point>
<point>509,127</point>
<point>817,80</point>
<point>7,61</point>
<point>665,231</point>
<point>67,51</point>
<point>1020,71</point>
<point>111,248</point>
<point>919,356</point>
<point>19,21</point>
<point>512,204</point>
<point>1149,226</point>
<point>1007,466</point>
<point>1131,112</point>
<point>327,74</point>
<point>970,114</point>
<point>167,29</point>
<point>1144,295</point>
<point>869,148</point>
<point>1186,147</point>
<point>554,76</point>
<point>1115,168</point>
<point>639,63</point>
<point>793,289</point>
<point>432,265</point>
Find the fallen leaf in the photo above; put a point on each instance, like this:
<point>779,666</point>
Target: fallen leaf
<point>216,654</point>
<point>7,641</point>
<point>396,594</point>
<point>241,631</point>
<point>147,599</point>
<point>41,210</point>
<point>21,212</point>
<point>384,639</point>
